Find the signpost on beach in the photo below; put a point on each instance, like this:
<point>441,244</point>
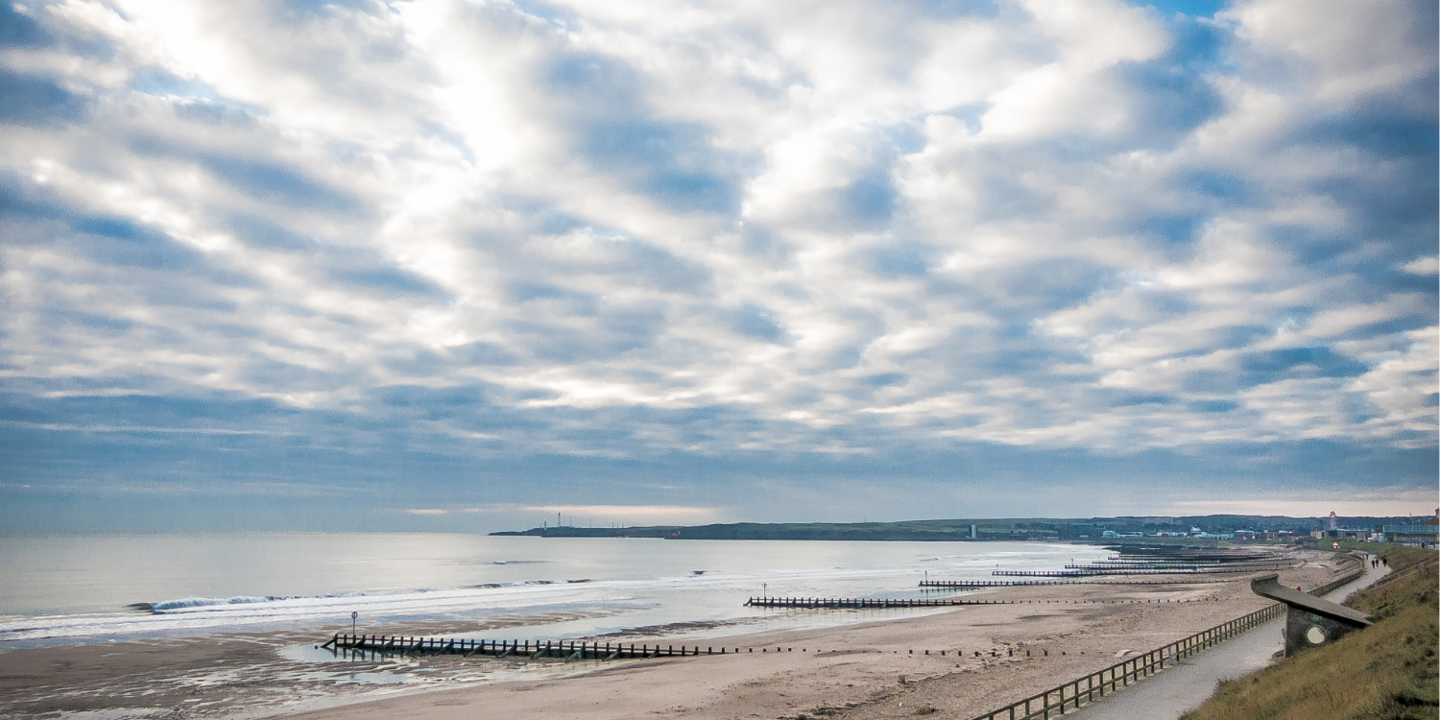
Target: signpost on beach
<point>353,615</point>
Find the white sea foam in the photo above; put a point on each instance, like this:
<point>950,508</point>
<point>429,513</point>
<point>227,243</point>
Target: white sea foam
<point>201,614</point>
<point>171,606</point>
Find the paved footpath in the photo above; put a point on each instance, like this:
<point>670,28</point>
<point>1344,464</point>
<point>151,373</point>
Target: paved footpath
<point>1177,690</point>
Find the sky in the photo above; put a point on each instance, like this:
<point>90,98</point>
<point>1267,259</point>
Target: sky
<point>474,265</point>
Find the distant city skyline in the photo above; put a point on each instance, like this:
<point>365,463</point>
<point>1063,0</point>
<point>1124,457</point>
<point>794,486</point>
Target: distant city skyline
<point>450,265</point>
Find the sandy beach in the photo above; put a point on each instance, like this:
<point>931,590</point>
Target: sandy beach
<point>959,662</point>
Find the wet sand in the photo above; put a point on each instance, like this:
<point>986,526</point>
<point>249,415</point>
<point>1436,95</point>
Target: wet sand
<point>880,668</point>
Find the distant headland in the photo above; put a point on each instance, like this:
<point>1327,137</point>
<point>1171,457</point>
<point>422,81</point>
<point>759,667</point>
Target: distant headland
<point>1110,529</point>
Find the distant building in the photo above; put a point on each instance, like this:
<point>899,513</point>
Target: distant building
<point>1416,535</point>
<point>1333,523</point>
<point>1114,534</point>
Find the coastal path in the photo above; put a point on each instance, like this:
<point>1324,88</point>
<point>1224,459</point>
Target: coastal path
<point>1085,693</point>
<point>1190,683</point>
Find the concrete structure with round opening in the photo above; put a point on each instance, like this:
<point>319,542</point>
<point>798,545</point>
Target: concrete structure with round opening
<point>1310,622</point>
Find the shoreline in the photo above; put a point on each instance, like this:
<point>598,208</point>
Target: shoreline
<point>859,670</point>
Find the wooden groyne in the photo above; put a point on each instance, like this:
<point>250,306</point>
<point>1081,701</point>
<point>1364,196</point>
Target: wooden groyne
<point>865,603</point>
<point>1081,580</point>
<point>1157,553</point>
<point>567,649</point>
<point>969,584</point>
<point>1170,565</point>
<point>1098,572</point>
<point>383,645</point>
<point>885,603</point>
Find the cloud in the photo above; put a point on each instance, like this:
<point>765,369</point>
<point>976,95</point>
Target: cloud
<point>635,513</point>
<point>1423,266</point>
<point>1380,502</point>
<point>133,429</point>
<point>659,230</point>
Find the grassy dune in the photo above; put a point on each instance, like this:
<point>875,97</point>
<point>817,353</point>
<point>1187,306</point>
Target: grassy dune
<point>1387,672</point>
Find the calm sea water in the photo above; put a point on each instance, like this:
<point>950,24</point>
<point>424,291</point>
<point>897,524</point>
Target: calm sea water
<point>96,587</point>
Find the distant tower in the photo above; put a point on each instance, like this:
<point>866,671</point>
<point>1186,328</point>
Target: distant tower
<point>1334,522</point>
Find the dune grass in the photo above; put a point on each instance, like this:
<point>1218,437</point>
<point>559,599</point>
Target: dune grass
<point>1386,672</point>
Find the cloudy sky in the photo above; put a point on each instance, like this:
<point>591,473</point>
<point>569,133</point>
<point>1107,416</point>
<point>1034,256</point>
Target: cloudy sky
<point>465,264</point>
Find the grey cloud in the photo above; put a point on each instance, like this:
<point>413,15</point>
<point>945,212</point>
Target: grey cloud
<point>901,260</point>
<point>1318,360</point>
<point>757,322</point>
<point>265,179</point>
<point>607,117</point>
<point>19,30</point>
<point>29,100</point>
<point>481,353</point>
<point>614,331</point>
<point>885,379</point>
<point>392,280</point>
<point>668,162</point>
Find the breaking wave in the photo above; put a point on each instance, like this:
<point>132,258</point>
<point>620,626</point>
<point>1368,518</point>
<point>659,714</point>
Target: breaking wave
<point>193,603</point>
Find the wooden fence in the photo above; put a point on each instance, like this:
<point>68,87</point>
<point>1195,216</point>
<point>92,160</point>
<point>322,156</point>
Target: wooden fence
<point>1116,677</point>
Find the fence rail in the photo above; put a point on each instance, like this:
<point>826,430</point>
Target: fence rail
<point>1332,585</point>
<point>1095,685</point>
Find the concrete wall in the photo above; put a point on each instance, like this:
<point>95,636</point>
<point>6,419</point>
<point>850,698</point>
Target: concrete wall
<point>1305,630</point>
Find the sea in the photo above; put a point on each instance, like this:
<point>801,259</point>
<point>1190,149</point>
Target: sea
<point>74,589</point>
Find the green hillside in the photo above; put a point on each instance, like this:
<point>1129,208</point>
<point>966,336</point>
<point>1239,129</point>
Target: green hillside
<point>1386,672</point>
